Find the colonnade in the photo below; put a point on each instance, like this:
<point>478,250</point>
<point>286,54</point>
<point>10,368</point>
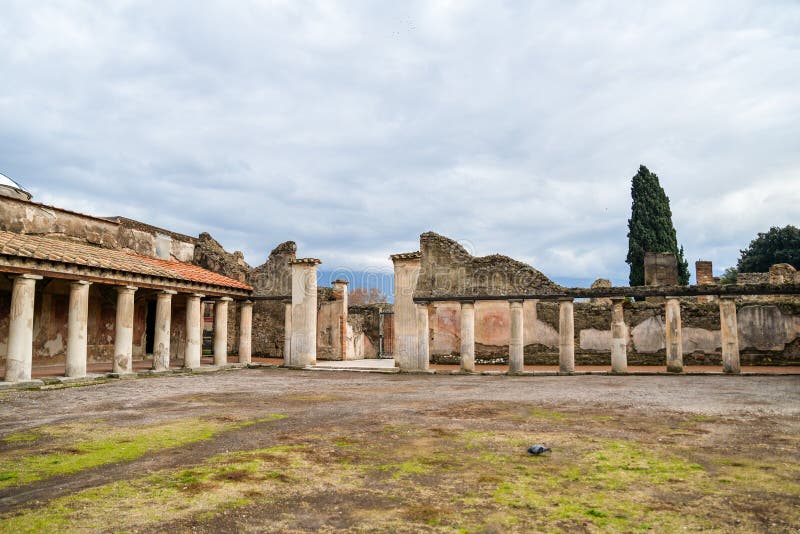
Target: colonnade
<point>566,336</point>
<point>19,360</point>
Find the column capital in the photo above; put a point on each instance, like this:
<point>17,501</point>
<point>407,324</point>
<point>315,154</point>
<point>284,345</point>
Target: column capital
<point>310,262</point>
<point>467,303</point>
<point>196,295</point>
<point>80,283</point>
<point>224,299</point>
<point>514,302</point>
<point>27,276</point>
<point>727,297</point>
<point>247,302</point>
<point>566,299</point>
<point>617,299</point>
<point>167,292</point>
<point>672,298</point>
<point>126,289</point>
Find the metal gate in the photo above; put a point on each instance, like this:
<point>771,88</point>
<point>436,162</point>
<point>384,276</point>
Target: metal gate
<point>386,335</point>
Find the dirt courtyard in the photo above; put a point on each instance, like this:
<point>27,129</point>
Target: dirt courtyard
<point>274,450</point>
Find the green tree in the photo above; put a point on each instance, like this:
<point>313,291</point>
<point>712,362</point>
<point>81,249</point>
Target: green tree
<point>730,276</point>
<point>650,227</point>
<point>779,245</point>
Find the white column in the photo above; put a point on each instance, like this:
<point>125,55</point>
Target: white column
<point>19,359</point>
<point>730,335</point>
<point>221,330</point>
<point>304,313</point>
<point>340,333</point>
<point>566,336</point>
<point>406,273</point>
<point>287,333</point>
<point>161,339</point>
<point>246,332</point>
<point>516,344</point>
<point>77,329</point>
<point>673,335</point>
<point>194,331</point>
<point>423,334</point>
<point>468,337</point>
<point>123,338</point>
<point>619,337</point>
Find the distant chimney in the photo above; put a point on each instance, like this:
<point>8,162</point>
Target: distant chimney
<point>704,273</point>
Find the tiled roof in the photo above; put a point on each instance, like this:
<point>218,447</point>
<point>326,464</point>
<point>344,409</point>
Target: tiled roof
<point>75,253</point>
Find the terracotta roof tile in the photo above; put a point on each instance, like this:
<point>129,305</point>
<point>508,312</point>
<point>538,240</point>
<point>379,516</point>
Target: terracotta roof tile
<point>76,253</point>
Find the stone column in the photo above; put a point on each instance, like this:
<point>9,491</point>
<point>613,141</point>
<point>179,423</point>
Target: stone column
<point>287,333</point>
<point>619,337</point>
<point>163,331</point>
<point>304,312</point>
<point>406,273</point>
<point>340,335</point>
<point>77,329</point>
<point>673,335</point>
<point>123,338</point>
<point>730,335</point>
<point>221,330</point>
<point>19,359</point>
<point>423,334</point>
<point>468,337</point>
<point>194,331</point>
<point>516,347</point>
<point>246,332</point>
<point>566,336</point>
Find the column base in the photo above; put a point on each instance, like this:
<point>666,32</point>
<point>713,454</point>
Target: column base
<point>673,369</point>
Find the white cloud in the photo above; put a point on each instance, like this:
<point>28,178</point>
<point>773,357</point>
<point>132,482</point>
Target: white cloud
<point>352,127</point>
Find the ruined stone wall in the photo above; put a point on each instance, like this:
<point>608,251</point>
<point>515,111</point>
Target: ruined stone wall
<point>364,323</point>
<point>25,217</point>
<point>448,269</point>
<point>272,278</point>
<point>769,333</point>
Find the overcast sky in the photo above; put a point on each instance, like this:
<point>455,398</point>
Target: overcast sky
<point>352,127</point>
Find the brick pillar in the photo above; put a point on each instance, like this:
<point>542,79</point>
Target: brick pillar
<point>704,273</point>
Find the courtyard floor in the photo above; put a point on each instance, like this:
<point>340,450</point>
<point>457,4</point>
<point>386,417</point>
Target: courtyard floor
<point>276,450</point>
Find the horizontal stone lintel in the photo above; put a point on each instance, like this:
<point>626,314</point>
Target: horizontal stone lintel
<point>47,269</point>
<point>638,291</point>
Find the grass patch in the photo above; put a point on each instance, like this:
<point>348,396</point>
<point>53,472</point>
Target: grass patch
<point>66,455</point>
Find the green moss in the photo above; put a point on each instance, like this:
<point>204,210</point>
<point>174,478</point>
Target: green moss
<point>116,445</point>
<point>22,436</point>
<point>538,413</point>
<point>205,490</point>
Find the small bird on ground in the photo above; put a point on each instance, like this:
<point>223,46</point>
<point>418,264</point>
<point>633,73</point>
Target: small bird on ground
<point>536,450</point>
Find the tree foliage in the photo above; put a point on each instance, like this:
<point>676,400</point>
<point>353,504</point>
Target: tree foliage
<point>779,245</point>
<point>360,296</point>
<point>730,276</point>
<point>650,227</point>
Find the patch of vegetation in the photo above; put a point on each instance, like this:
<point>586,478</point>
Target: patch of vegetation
<point>22,436</point>
<point>66,454</point>
<point>454,481</point>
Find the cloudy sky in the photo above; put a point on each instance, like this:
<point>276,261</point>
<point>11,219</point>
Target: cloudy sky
<point>351,127</point>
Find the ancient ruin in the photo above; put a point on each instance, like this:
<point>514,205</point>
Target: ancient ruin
<point>80,290</point>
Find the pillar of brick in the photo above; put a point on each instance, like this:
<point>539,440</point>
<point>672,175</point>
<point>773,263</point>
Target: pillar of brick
<point>673,335</point>
<point>619,337</point>
<point>304,313</point>
<point>340,295</point>
<point>406,344</point>
<point>468,337</point>
<point>704,274</point>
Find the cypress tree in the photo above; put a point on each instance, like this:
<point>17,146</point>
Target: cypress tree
<point>650,227</point>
